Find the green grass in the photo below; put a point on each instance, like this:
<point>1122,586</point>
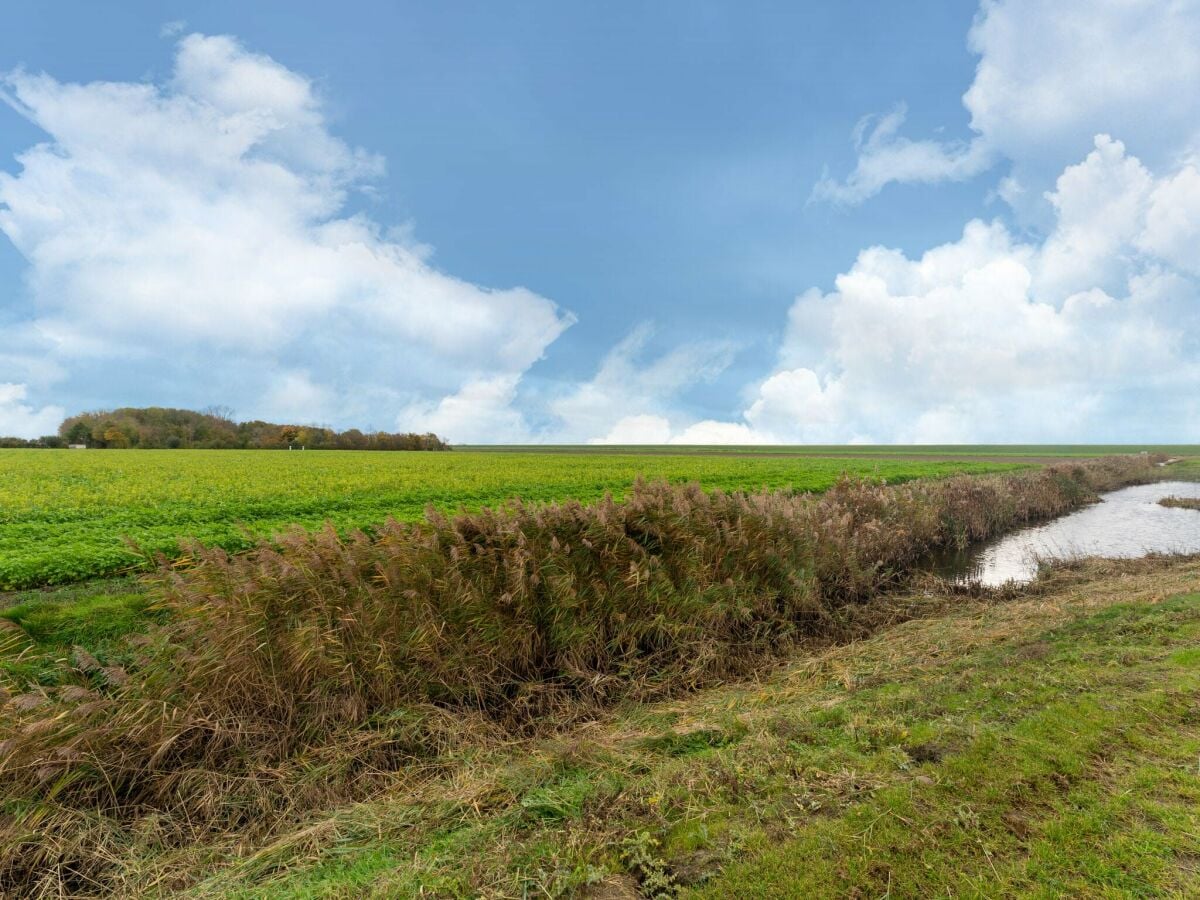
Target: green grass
<point>1047,747</point>
<point>1187,469</point>
<point>64,514</point>
<point>866,451</point>
<point>1081,783</point>
<point>95,615</point>
<point>1042,747</point>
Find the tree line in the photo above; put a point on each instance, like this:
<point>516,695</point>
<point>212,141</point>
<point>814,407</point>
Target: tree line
<point>156,427</point>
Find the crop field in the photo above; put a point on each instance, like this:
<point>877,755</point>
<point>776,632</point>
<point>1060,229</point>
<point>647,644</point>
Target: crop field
<point>1023,452</point>
<point>64,516</point>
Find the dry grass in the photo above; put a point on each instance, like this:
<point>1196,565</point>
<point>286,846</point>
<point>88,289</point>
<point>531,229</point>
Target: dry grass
<point>308,671</point>
<point>693,781</point>
<point>1180,502</point>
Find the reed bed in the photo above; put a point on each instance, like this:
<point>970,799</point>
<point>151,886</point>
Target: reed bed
<point>1180,502</point>
<point>312,669</point>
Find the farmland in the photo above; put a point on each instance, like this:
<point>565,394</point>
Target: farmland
<point>1024,452</point>
<point>678,693</point>
<point>566,698</point>
<point>64,516</point>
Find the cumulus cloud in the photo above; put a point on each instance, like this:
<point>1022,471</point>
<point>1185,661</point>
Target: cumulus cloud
<point>1088,325</point>
<point>709,431</point>
<point>1172,225</point>
<point>1094,330</point>
<point>193,234</point>
<point>1049,77</point>
<point>483,411</point>
<point>649,429</point>
<point>639,429</point>
<point>19,419</point>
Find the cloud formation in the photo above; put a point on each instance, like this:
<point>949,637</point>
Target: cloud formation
<point>630,399</point>
<point>198,234</point>
<point>194,233</point>
<point>19,419</point>
<point>885,156</point>
<point>1094,330</point>
<point>1050,77</point>
<point>1087,327</point>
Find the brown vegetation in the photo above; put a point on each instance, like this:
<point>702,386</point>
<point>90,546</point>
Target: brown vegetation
<point>1180,502</point>
<point>302,673</point>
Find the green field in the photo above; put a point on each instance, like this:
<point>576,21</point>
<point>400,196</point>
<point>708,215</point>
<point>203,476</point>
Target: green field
<point>1039,743</point>
<point>1030,452</point>
<point>64,515</point>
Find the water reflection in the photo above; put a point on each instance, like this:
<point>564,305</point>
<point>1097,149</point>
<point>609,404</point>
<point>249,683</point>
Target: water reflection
<point>1126,523</point>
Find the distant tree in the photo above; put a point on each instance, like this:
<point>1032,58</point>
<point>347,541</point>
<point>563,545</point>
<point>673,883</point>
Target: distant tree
<point>352,440</point>
<point>216,411</point>
<point>78,432</point>
<point>115,437</point>
<point>154,426</point>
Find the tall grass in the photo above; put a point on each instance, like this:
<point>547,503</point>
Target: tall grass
<point>304,672</point>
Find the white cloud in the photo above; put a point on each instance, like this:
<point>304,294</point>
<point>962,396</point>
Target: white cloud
<point>198,226</point>
<point>885,156</point>
<point>1050,76</point>
<point>647,429</point>
<point>1093,331</point>
<point>482,412</point>
<point>641,429</point>
<point>709,431</point>
<point>194,234</point>
<point>1172,230</point>
<point>634,393</point>
<point>1099,207</point>
<point>19,419</point>
<point>793,402</point>
<point>295,397</point>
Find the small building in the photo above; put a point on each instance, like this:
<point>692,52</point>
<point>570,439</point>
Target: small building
<point>76,446</point>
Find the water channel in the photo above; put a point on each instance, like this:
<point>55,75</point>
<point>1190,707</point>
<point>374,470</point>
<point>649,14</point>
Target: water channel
<point>1126,523</point>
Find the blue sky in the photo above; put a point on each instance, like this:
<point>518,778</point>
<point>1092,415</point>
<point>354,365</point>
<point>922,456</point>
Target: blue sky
<point>634,222</point>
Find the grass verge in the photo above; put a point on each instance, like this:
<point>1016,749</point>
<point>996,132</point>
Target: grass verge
<point>40,629</point>
<point>1043,746</point>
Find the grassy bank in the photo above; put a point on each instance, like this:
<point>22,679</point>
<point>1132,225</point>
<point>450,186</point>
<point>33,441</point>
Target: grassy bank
<point>1044,745</point>
<point>307,673</point>
<point>39,628</point>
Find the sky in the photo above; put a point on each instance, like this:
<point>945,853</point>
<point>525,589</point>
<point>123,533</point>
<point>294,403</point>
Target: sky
<point>559,222</point>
